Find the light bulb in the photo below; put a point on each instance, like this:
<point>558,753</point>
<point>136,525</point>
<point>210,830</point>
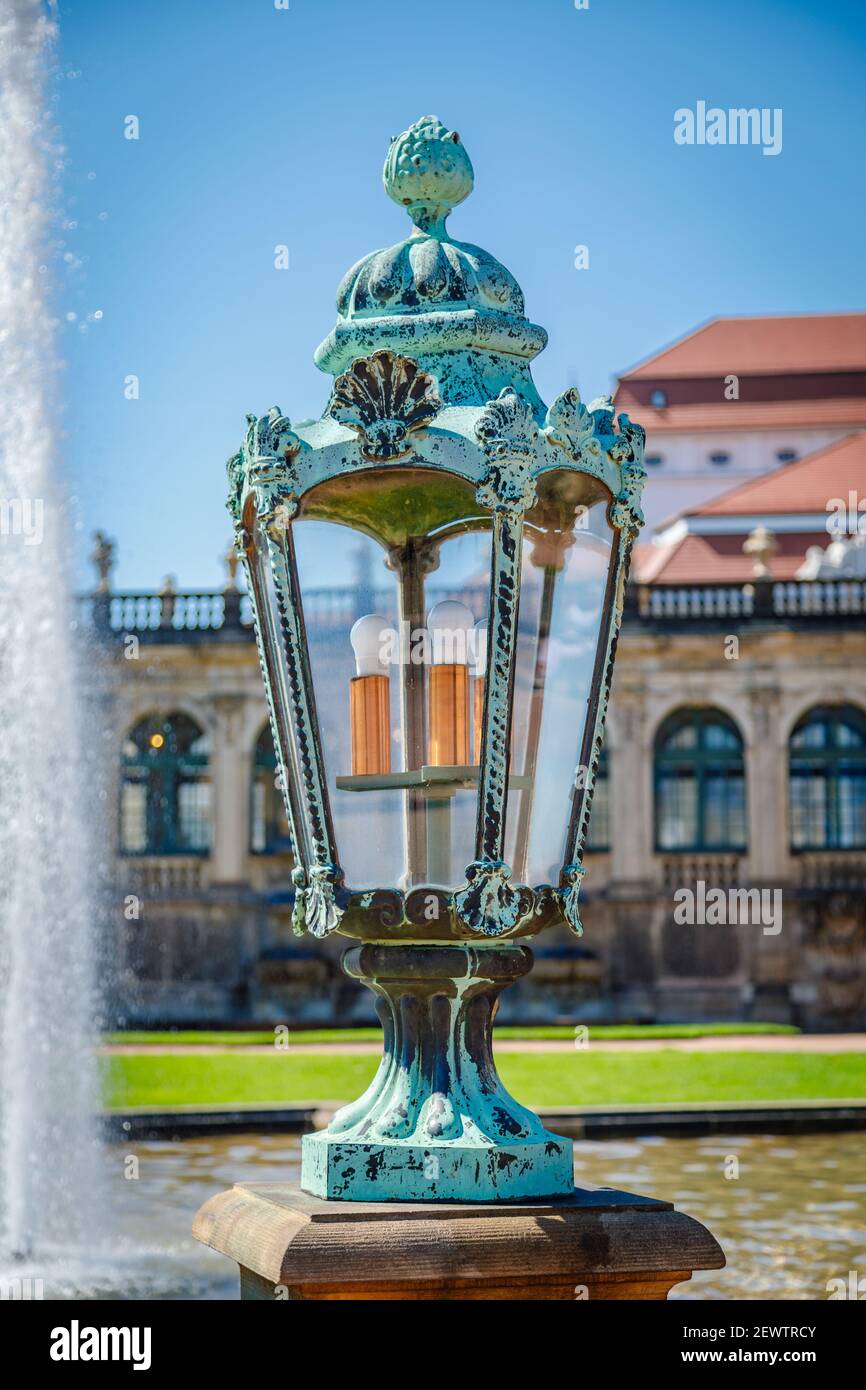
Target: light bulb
<point>367,637</point>
<point>450,623</point>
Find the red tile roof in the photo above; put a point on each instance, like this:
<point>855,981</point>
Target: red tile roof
<point>743,415</point>
<point>801,487</point>
<point>720,559</point>
<point>763,345</point>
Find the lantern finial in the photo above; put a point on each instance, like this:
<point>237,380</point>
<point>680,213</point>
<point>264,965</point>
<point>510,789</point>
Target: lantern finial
<point>430,297</point>
<point>428,172</point>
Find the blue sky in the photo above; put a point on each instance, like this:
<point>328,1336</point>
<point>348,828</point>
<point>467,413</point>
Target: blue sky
<point>261,127</point>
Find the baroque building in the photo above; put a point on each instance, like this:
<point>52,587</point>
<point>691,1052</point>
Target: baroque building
<point>738,397</point>
<point>734,773</point>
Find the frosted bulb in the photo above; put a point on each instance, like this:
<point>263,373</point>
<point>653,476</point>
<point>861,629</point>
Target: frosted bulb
<point>367,638</point>
<point>478,649</point>
<point>450,623</point>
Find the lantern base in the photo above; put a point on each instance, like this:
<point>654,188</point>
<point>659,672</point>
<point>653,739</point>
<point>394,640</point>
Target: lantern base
<point>351,1172</point>
<point>436,1123</point>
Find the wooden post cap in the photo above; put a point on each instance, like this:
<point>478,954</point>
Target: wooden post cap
<point>597,1243</point>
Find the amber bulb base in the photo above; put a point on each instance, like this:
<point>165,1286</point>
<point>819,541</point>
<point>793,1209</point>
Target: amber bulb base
<point>448,741</point>
<point>370,715</point>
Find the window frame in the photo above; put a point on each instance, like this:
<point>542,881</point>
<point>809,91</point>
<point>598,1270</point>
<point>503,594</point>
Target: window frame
<point>163,772</point>
<point>264,763</point>
<point>829,760</point>
<point>602,776</point>
<point>701,762</point>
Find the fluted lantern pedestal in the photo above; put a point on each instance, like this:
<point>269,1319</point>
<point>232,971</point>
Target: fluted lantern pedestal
<point>595,1244</point>
<point>436,1124</point>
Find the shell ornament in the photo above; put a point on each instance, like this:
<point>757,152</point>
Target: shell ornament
<point>385,398</point>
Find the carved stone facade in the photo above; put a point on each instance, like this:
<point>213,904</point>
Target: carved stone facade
<point>212,937</point>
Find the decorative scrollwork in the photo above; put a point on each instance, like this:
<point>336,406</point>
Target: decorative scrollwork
<point>385,398</point>
<point>626,513</point>
<point>236,474</point>
<point>572,427</point>
<point>278,511</point>
<point>264,460</point>
<point>318,906</point>
<point>569,893</point>
<point>270,437</point>
<point>385,904</point>
<point>490,904</point>
<point>508,434</point>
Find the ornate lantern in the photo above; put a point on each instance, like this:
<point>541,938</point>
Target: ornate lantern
<point>438,753</point>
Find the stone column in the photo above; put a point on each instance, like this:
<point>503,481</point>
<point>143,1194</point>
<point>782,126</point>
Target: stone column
<point>766,789</point>
<point>630,774</point>
<point>230,775</point>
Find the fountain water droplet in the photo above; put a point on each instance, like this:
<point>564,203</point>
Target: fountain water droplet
<point>48,1087</point>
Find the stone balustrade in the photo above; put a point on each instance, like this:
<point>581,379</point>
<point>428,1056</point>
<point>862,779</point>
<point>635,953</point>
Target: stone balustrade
<point>188,616</point>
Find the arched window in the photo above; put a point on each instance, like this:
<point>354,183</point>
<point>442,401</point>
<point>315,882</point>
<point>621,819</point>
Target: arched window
<point>165,805</point>
<point>598,835</point>
<point>828,779</point>
<point>269,826</point>
<point>700,783</point>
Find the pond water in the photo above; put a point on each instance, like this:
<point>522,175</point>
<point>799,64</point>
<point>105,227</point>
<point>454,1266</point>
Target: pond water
<point>793,1219</point>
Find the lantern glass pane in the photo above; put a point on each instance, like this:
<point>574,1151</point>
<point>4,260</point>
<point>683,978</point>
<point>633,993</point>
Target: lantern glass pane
<point>394,697</point>
<point>562,601</point>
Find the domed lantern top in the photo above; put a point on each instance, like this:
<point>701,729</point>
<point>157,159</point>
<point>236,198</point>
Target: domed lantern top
<point>438,722</point>
<point>449,304</point>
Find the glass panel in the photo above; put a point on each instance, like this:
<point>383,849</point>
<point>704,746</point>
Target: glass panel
<point>391,632</point>
<point>852,809</point>
<point>269,824</point>
<point>719,736</point>
<point>724,810</point>
<point>848,735</point>
<point>264,589</point>
<point>677,810</point>
<point>344,578</point>
<point>808,810</point>
<point>567,556</point>
<point>258,825</point>
<point>193,814</point>
<point>133,817</point>
<point>457,601</point>
<point>598,838</point>
<point>395,599</point>
<point>811,735</point>
<point>686,736</point>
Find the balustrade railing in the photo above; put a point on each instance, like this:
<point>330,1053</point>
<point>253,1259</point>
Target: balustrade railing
<point>716,869</point>
<point>166,876</point>
<point>193,615</point>
<point>825,870</point>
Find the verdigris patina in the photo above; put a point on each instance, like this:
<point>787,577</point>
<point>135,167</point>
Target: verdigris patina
<point>434,409</point>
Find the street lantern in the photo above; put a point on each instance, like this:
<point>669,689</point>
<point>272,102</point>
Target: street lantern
<point>437,753</point>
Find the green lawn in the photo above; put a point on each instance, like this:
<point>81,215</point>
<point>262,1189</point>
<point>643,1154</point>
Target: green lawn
<point>579,1078</point>
<point>600,1032</point>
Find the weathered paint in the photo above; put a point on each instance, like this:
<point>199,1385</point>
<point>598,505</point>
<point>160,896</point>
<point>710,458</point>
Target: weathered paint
<point>431,355</point>
<point>436,1123</point>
